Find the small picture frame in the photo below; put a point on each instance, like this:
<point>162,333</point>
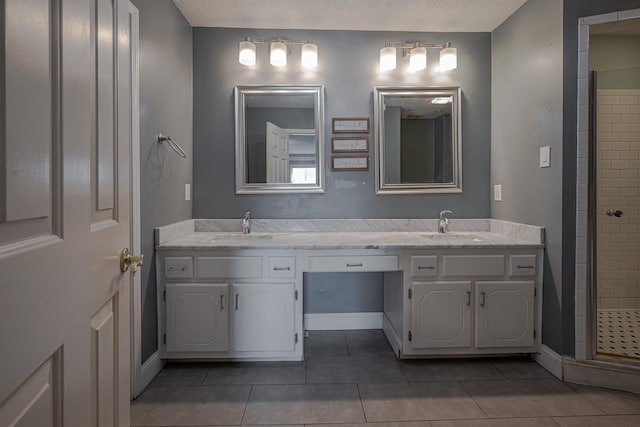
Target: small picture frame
<point>350,144</point>
<point>349,163</point>
<point>350,124</point>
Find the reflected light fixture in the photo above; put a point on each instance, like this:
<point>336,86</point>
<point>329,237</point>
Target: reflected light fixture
<point>417,53</point>
<point>247,55</point>
<point>279,49</point>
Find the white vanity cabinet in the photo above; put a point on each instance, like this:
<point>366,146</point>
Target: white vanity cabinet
<point>241,304</point>
<point>467,301</point>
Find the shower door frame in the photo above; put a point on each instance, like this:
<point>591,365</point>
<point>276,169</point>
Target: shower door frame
<point>585,267</point>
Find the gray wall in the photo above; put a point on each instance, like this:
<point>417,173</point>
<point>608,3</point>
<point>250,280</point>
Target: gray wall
<point>166,104</point>
<point>573,10</point>
<point>526,115</point>
<point>348,67</point>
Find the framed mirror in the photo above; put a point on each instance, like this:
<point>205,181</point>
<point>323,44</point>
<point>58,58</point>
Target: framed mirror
<point>418,140</point>
<point>279,139</point>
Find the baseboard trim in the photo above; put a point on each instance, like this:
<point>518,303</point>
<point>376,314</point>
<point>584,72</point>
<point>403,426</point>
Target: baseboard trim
<point>550,360</point>
<point>342,321</point>
<point>150,369</point>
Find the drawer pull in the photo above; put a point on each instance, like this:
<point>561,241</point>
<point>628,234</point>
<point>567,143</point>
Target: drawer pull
<point>236,301</point>
<point>176,269</point>
<point>482,300</point>
<point>281,268</point>
<point>221,302</point>
<point>468,297</point>
<point>354,265</point>
<point>525,266</point>
<point>426,267</point>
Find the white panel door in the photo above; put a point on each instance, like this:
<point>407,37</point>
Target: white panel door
<point>504,314</point>
<point>277,154</point>
<point>441,314</point>
<point>197,317</point>
<point>63,299</point>
<point>263,317</point>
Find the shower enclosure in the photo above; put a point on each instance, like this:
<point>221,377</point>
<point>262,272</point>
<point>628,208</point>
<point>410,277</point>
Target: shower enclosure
<point>614,214</point>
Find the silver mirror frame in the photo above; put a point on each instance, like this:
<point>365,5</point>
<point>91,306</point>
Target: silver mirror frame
<point>456,123</point>
<point>244,187</point>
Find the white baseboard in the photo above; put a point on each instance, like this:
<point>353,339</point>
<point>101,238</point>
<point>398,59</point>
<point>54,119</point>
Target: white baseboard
<point>549,360</point>
<point>150,369</point>
<point>338,321</point>
<point>602,374</point>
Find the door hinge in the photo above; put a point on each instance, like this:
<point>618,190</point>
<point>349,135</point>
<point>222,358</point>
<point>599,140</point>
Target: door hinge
<point>534,333</point>
<point>410,336</point>
<point>295,294</point>
<point>535,292</point>
<point>164,295</point>
<point>296,337</point>
<point>164,339</point>
<point>410,293</point>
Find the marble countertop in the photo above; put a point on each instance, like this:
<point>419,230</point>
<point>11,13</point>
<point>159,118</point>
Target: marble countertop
<point>346,240</point>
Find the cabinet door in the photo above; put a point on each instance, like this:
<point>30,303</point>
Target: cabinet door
<point>441,314</point>
<point>504,314</point>
<point>263,317</point>
<point>197,317</point>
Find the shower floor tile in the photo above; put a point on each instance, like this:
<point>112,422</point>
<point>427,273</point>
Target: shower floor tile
<point>619,333</point>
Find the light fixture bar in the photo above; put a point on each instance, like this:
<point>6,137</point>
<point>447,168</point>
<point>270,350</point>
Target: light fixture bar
<point>279,49</point>
<point>417,53</point>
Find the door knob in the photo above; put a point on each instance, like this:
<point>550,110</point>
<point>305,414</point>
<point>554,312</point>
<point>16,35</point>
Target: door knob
<point>127,260</point>
<point>617,213</point>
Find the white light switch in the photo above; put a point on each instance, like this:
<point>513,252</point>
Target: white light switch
<point>187,192</point>
<point>497,193</point>
<point>545,154</point>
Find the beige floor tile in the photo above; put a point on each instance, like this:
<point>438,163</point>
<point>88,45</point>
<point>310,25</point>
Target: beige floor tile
<point>601,421</point>
<point>521,369</point>
<point>256,373</point>
<point>528,398</point>
<point>610,401</point>
<point>180,374</point>
<point>417,401</point>
<point>179,406</point>
<point>450,370</point>
<point>354,369</point>
<point>325,345</point>
<point>498,422</point>
<point>367,344</point>
<point>314,403</point>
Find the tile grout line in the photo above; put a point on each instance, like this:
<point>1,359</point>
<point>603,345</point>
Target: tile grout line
<point>246,405</point>
<point>364,413</point>
<point>472,399</point>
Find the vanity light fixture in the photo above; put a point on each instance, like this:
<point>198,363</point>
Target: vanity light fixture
<point>417,53</point>
<point>279,50</point>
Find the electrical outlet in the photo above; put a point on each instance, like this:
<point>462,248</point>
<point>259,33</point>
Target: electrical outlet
<point>497,193</point>
<point>187,192</point>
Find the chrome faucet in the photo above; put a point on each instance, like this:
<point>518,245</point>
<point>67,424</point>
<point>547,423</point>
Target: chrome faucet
<point>246,223</point>
<point>443,222</point>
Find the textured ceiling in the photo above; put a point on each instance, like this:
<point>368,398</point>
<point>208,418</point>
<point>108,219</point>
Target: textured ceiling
<point>375,15</point>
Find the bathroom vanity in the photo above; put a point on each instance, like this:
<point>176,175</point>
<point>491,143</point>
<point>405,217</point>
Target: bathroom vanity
<point>223,294</point>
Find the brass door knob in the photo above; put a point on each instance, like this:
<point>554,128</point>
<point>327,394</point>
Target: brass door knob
<point>127,260</point>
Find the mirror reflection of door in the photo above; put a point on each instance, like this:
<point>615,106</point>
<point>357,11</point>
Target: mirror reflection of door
<point>277,154</point>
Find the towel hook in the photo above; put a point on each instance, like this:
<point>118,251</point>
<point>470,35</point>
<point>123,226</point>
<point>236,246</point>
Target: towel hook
<point>174,145</point>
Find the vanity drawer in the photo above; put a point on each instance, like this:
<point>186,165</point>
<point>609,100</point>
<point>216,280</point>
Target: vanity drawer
<point>353,263</point>
<point>473,265</point>
<point>522,265</point>
<point>424,265</point>
<point>282,267</point>
<point>178,267</point>
<point>246,267</point>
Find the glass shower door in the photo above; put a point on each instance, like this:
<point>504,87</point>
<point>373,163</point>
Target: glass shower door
<point>616,213</point>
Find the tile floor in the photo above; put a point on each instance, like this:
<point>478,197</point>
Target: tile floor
<point>351,378</point>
